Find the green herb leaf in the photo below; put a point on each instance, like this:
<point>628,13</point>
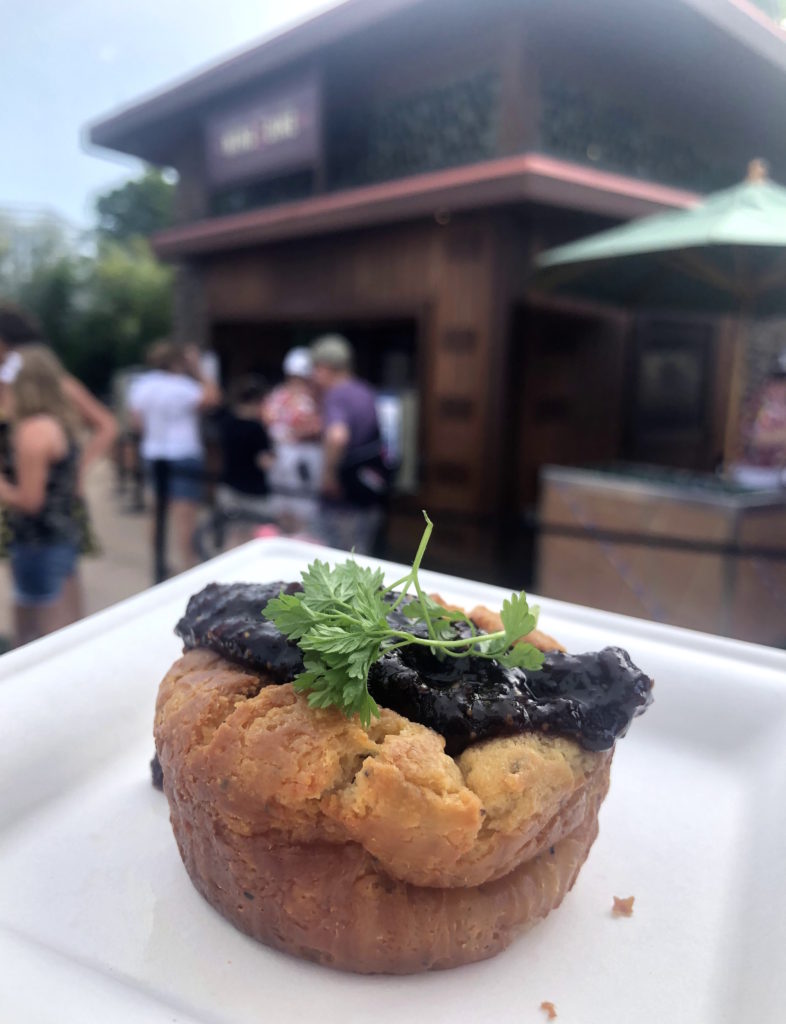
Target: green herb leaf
<point>328,639</point>
<point>521,656</point>
<point>340,623</point>
<point>517,617</point>
<point>292,615</point>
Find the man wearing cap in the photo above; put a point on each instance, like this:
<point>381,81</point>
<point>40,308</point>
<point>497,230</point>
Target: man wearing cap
<point>291,415</point>
<point>354,475</point>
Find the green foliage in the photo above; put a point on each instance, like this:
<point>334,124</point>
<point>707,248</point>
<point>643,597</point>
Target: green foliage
<point>138,208</point>
<point>125,304</point>
<point>50,292</point>
<point>100,305</point>
<point>340,622</point>
<point>29,246</point>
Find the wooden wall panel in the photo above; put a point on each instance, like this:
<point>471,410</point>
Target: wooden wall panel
<point>440,274</point>
<point>366,272</point>
<point>459,344</point>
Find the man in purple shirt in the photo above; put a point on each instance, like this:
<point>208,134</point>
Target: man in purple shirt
<point>354,476</point>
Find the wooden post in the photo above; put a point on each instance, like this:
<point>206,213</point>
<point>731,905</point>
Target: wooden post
<point>731,445</point>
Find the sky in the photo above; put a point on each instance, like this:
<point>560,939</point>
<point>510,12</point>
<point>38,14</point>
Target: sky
<point>65,63</point>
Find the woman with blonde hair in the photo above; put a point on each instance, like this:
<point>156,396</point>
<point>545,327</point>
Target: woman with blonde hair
<point>40,496</point>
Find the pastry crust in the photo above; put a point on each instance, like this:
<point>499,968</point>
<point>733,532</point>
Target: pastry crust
<point>366,849</point>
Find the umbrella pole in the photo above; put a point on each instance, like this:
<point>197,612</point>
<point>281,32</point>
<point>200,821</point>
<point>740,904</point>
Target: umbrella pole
<point>736,388</point>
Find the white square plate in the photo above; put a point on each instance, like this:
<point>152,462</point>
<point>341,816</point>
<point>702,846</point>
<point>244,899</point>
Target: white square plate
<point>99,922</point>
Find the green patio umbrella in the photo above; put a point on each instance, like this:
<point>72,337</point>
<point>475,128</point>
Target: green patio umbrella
<point>724,256</point>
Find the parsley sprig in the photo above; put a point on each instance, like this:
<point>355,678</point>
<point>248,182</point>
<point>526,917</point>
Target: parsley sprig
<point>340,622</point>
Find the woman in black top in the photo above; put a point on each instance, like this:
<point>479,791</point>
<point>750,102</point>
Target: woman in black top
<point>39,494</point>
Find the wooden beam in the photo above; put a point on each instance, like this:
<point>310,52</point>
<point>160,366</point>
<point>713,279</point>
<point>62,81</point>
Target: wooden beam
<point>522,178</point>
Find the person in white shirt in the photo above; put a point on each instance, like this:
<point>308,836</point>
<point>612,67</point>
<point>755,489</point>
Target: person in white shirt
<point>167,403</point>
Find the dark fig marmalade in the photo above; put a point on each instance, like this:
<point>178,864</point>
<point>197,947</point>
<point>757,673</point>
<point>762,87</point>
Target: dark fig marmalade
<point>588,697</point>
<point>227,618</point>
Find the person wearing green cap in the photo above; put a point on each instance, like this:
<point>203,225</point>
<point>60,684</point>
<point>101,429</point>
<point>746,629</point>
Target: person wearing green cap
<point>355,477</point>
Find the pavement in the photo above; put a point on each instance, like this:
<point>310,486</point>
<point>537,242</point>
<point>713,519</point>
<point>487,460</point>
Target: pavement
<point>125,566</point>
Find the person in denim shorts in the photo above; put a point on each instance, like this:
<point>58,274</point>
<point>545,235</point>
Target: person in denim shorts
<point>39,495</point>
<point>166,404</point>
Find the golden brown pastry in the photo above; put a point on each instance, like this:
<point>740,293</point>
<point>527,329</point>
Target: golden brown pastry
<point>429,837</point>
<point>366,849</point>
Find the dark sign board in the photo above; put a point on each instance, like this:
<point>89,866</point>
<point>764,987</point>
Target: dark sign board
<point>276,132</point>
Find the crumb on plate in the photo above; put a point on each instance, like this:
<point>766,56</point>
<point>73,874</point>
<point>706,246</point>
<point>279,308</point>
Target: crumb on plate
<point>551,1013</point>
<point>623,907</point>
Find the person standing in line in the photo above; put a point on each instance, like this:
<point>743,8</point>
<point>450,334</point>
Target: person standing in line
<point>95,425</point>
<point>167,403</point>
<point>355,479</point>
<point>291,414</point>
<point>129,470</point>
<point>39,494</point>
<point>246,452</point>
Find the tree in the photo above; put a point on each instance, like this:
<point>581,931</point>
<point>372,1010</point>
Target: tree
<point>100,312</point>
<point>126,300</point>
<point>101,300</point>
<point>29,241</point>
<point>138,208</point>
<point>51,292</point>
